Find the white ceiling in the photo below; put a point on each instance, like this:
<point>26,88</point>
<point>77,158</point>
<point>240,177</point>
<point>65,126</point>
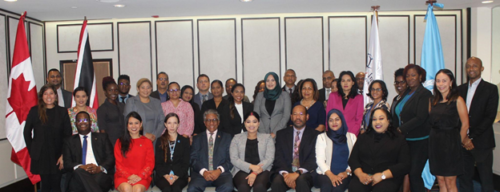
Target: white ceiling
<point>49,10</point>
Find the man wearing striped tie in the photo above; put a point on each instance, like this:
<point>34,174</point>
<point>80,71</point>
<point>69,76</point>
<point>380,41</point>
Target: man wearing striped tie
<point>212,169</point>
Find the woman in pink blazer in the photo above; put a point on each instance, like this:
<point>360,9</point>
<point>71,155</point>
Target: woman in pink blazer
<point>348,101</point>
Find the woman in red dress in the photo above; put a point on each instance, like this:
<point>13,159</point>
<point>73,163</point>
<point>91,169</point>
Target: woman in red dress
<point>135,159</point>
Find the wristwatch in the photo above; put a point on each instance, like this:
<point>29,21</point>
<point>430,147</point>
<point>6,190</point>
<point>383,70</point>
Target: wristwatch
<point>383,176</point>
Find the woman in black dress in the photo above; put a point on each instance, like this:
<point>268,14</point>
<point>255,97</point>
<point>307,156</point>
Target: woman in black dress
<point>172,157</point>
<point>50,125</point>
<point>450,122</point>
<point>380,157</point>
<point>110,113</point>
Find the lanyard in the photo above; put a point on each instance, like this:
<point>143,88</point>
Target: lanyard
<point>172,148</point>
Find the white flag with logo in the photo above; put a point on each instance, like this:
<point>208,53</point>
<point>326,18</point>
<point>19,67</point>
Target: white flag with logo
<point>374,60</point>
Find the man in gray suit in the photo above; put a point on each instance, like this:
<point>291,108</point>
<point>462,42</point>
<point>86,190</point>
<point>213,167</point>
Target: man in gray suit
<point>64,97</point>
<point>203,84</point>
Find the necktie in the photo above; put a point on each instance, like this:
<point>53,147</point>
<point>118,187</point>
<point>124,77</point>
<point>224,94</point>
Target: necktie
<point>296,144</point>
<point>84,150</point>
<point>328,91</point>
<point>204,99</point>
<point>211,153</point>
<point>123,99</point>
<point>290,90</point>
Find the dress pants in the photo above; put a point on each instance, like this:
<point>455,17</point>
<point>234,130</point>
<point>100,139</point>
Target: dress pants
<point>83,181</point>
<point>51,182</point>
<point>419,152</point>
<point>223,184</point>
<point>165,186</point>
<point>260,183</point>
<point>324,183</point>
<point>483,159</point>
<point>303,183</point>
<point>388,185</point>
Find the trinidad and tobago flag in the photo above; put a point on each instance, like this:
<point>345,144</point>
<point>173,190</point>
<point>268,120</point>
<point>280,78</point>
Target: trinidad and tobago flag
<point>85,76</point>
<point>21,96</point>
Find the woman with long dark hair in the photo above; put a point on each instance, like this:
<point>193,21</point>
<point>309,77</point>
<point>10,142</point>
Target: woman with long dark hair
<point>348,101</point>
<point>380,158</point>
<point>231,117</point>
<point>450,122</point>
<point>217,103</point>
<point>172,157</point>
<point>81,96</point>
<point>378,93</point>
<point>273,105</point>
<point>110,113</point>
<point>187,95</point>
<point>135,158</point>
<point>50,124</point>
<point>308,92</point>
<point>333,149</point>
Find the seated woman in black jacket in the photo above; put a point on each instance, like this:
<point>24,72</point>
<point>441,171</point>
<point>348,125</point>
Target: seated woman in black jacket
<point>172,157</point>
<point>380,158</point>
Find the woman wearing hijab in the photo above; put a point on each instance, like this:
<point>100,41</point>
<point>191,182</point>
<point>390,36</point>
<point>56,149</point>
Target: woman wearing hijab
<point>333,149</point>
<point>273,106</point>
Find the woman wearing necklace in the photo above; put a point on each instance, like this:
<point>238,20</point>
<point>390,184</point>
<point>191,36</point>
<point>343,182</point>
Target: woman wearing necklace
<point>410,117</point>
<point>172,157</point>
<point>378,93</point>
<point>81,97</point>
<point>182,108</point>
<point>309,94</point>
<point>348,101</point>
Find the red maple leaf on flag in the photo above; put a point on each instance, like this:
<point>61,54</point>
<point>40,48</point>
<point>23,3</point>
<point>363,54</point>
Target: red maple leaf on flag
<point>19,95</point>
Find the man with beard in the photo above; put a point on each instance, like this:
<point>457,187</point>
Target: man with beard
<point>64,97</point>
<point>123,88</point>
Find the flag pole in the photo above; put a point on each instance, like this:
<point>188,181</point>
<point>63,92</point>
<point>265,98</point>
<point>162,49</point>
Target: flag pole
<point>430,2</point>
<point>376,8</point>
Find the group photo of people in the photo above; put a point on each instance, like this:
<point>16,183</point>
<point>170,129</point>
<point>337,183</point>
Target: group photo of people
<point>270,136</point>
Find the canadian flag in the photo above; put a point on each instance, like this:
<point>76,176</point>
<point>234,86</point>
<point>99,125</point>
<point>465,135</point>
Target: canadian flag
<point>21,96</point>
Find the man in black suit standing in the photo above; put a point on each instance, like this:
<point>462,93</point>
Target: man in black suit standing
<point>324,93</point>
<point>162,86</point>
<point>203,84</point>
<point>482,102</point>
<point>289,79</point>
<point>295,157</point>
<point>210,157</point>
<point>89,157</point>
<point>123,88</point>
<point>64,97</point>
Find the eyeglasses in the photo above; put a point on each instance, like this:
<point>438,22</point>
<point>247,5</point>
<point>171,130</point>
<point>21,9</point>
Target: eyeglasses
<point>174,90</point>
<point>377,90</point>
<point>124,84</point>
<point>83,121</point>
<point>211,120</point>
<point>399,82</point>
<point>163,79</point>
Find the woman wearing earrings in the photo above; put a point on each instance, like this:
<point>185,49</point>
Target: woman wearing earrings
<point>172,157</point>
<point>134,157</point>
<point>450,122</point>
<point>252,155</point>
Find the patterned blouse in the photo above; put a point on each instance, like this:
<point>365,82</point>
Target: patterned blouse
<point>366,115</point>
<point>185,113</point>
<point>93,119</point>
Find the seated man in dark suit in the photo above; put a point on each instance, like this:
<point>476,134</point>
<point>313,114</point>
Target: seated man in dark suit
<point>213,169</point>
<point>89,157</point>
<point>295,157</point>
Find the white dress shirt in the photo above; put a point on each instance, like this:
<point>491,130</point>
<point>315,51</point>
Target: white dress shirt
<point>239,108</point>
<point>327,93</point>
<point>214,136</point>
<point>471,91</point>
<point>90,158</point>
<point>300,132</point>
<point>60,97</point>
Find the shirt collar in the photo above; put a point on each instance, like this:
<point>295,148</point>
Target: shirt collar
<point>300,131</point>
<point>215,132</point>
<point>475,82</point>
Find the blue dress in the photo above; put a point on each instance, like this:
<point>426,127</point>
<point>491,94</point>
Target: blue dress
<point>317,115</point>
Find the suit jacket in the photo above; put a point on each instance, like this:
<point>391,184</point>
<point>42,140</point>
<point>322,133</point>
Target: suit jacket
<point>414,115</point>
<point>284,150</point>
<point>353,111</point>
<point>272,123</point>
<point>197,98</point>
<point>156,94</point>
<point>245,99</point>
<point>157,126</point>
<point>324,150</point>
<point>67,96</point>
<point>482,113</point>
<point>199,152</point>
<point>101,146</point>
<point>230,125</point>
<point>321,97</point>
<point>180,162</point>
<point>238,149</point>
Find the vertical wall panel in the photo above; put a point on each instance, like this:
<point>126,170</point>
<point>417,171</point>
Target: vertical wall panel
<point>304,46</point>
<point>394,37</point>
<point>3,77</point>
<point>37,54</point>
<point>134,51</point>
<point>217,48</point>
<point>448,30</point>
<point>261,49</point>
<point>174,50</point>
<point>347,40</point>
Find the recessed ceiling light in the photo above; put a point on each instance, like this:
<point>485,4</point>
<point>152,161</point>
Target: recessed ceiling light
<point>10,0</point>
<point>246,0</point>
<point>485,2</point>
<point>119,5</point>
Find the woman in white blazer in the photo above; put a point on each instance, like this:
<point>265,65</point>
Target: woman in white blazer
<point>333,149</point>
<point>252,155</point>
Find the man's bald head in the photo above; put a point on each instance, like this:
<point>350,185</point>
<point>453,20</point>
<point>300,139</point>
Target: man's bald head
<point>474,68</point>
<point>328,77</point>
<point>360,80</point>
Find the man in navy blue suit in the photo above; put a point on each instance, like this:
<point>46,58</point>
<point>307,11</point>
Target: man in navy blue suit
<point>210,157</point>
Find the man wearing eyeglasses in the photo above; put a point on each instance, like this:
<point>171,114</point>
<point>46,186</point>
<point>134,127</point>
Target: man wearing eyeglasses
<point>123,88</point>
<point>88,158</point>
<point>210,157</point>
<point>161,84</point>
